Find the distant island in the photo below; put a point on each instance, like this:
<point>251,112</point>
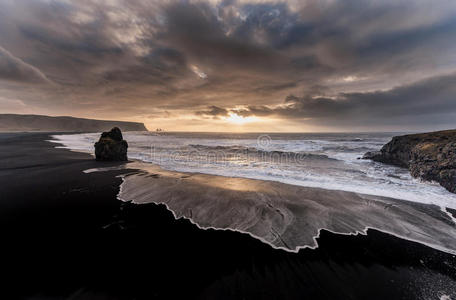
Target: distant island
<point>18,123</point>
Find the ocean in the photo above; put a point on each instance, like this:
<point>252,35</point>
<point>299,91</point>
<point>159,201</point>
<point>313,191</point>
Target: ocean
<point>325,160</point>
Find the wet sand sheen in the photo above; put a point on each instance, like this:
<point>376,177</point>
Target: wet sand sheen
<point>285,216</point>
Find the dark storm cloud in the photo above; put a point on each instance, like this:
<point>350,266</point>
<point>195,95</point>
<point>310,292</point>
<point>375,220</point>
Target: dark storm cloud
<point>133,56</point>
<point>213,111</point>
<point>413,103</point>
<point>197,30</point>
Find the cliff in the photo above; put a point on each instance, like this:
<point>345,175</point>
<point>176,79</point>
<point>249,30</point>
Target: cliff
<point>430,156</point>
<point>12,122</point>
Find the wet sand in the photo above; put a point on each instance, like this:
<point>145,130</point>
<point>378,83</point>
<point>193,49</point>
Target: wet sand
<point>285,216</point>
<point>66,236</point>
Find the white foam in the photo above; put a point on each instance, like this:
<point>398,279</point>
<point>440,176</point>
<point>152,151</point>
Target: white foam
<point>347,173</point>
<point>304,213</point>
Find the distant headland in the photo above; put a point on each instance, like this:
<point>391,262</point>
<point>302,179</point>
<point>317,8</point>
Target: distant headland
<point>16,123</point>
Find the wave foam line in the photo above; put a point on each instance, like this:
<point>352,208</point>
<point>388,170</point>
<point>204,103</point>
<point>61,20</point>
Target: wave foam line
<point>284,216</point>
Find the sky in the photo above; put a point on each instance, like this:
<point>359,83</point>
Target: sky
<point>233,65</point>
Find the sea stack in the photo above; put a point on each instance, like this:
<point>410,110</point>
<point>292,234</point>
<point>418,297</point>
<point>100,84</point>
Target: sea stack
<point>111,146</point>
<point>430,156</point>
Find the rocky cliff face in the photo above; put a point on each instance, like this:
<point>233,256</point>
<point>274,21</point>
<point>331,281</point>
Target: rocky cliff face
<point>12,122</point>
<point>430,156</point>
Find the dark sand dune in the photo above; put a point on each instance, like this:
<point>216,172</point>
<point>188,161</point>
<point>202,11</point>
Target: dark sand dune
<point>66,236</point>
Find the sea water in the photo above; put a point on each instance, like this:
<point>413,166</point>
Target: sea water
<point>324,160</point>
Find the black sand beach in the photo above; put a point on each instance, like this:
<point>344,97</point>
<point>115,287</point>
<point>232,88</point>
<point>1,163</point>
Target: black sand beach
<point>66,236</point>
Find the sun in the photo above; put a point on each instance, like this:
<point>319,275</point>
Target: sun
<point>237,119</point>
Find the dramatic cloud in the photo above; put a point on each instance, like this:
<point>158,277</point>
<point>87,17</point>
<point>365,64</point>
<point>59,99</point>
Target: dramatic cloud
<point>213,111</point>
<point>417,103</point>
<point>201,60</point>
<point>14,69</point>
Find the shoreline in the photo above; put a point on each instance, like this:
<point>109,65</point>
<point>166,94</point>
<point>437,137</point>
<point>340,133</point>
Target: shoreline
<point>155,170</point>
<point>400,188</point>
<point>66,235</point>
<point>137,166</point>
<point>217,193</point>
<point>365,232</point>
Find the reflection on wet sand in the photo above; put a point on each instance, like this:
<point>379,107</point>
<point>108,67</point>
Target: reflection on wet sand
<point>285,216</point>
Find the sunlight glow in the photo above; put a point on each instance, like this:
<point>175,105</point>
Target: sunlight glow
<point>237,119</point>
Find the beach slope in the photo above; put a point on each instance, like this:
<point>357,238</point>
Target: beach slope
<point>66,236</point>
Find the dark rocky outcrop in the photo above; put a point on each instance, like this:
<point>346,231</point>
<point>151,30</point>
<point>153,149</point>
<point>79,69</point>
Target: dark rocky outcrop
<point>111,146</point>
<point>430,156</point>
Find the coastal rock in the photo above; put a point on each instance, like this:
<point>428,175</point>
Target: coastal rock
<point>111,146</point>
<point>374,155</point>
<point>430,156</point>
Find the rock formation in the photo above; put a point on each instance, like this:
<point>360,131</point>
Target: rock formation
<point>111,146</point>
<point>430,156</point>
